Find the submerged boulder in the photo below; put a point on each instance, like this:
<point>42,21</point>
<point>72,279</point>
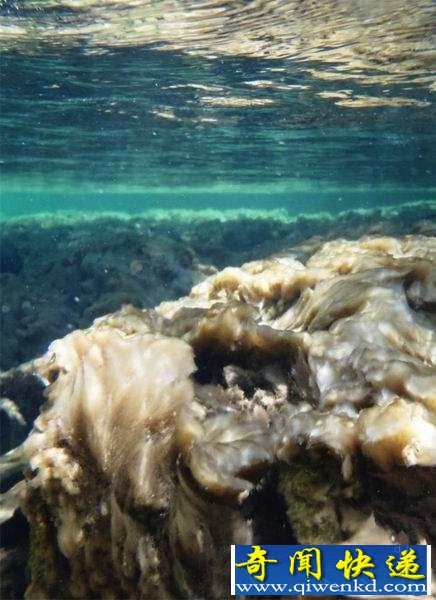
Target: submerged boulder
<point>286,399</point>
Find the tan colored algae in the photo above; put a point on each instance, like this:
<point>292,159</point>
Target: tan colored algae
<point>284,399</point>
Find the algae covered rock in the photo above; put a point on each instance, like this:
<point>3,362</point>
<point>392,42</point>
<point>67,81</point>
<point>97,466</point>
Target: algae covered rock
<point>282,398</point>
<point>61,271</point>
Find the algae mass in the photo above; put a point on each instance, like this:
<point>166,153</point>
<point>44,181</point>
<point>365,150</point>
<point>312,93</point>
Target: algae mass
<point>218,287</point>
<point>291,397</point>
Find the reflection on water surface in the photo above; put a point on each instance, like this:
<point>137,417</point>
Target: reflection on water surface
<point>187,93</point>
<point>370,41</point>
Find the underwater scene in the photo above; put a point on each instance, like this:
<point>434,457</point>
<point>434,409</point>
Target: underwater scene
<point>218,289</point>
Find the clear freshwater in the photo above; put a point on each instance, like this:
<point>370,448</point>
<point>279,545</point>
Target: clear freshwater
<point>247,117</point>
<point>308,105</point>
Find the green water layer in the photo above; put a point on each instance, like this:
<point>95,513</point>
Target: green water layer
<point>294,202</point>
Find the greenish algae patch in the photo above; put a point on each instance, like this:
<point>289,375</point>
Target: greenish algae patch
<point>309,492</point>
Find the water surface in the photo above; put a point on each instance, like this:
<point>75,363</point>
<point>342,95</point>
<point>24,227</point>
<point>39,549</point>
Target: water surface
<point>308,99</point>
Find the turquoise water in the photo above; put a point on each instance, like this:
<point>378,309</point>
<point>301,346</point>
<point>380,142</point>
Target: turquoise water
<point>304,105</point>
